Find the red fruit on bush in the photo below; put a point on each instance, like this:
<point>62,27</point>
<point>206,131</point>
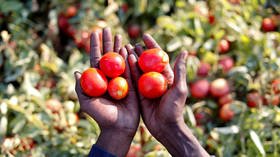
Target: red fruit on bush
<point>271,100</point>
<point>134,151</point>
<point>226,113</point>
<point>70,31</point>
<point>71,11</point>
<point>124,7</point>
<point>219,87</point>
<point>203,69</point>
<point>226,63</point>
<point>152,85</point>
<point>63,23</point>
<point>112,64</point>
<point>268,25</point>
<point>118,88</point>
<point>253,99</point>
<point>211,18</point>
<point>223,46</point>
<point>199,89</point>
<point>134,31</point>
<point>276,86</point>
<point>93,82</point>
<point>153,60</point>
<point>226,99</point>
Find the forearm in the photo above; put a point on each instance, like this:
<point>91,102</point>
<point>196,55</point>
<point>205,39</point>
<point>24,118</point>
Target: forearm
<point>117,143</point>
<point>180,142</point>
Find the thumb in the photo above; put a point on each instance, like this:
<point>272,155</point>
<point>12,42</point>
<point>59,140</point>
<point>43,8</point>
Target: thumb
<point>180,71</point>
<point>78,87</point>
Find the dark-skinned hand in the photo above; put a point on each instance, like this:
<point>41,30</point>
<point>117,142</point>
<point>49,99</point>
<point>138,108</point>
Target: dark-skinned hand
<point>118,120</point>
<point>163,117</point>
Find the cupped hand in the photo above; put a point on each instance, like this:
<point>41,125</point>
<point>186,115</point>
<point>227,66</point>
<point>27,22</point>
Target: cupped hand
<point>168,109</point>
<point>117,119</point>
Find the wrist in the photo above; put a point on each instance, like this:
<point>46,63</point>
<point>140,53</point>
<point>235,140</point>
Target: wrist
<point>179,140</point>
<point>116,142</point>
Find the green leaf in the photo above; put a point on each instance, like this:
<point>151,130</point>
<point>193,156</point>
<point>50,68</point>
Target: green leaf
<point>256,140</point>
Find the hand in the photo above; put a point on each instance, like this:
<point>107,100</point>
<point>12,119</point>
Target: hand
<point>118,120</point>
<point>163,117</point>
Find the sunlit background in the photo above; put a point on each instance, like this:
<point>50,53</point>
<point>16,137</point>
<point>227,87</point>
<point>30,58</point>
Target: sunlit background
<point>234,45</point>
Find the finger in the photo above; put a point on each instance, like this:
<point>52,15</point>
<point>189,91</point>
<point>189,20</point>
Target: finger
<point>127,75</point>
<point>107,40</point>
<point>150,42</point>
<point>134,68</point>
<point>78,88</point>
<point>130,50</point>
<point>95,53</point>
<point>168,73</point>
<point>180,72</point>
<point>139,49</point>
<point>117,43</point>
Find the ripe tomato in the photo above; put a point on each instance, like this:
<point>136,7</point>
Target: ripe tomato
<point>203,69</point>
<point>276,86</point>
<point>211,18</point>
<point>153,60</point>
<point>219,87</point>
<point>226,113</point>
<point>63,22</point>
<point>134,151</point>
<point>199,89</point>
<point>118,88</point>
<point>225,99</point>
<point>94,82</point>
<point>226,63</point>
<point>134,31</point>
<point>253,99</point>
<point>71,11</point>
<point>112,64</point>
<point>268,25</point>
<point>223,46</point>
<point>271,100</point>
<point>152,85</point>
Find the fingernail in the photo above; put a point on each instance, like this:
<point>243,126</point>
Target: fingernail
<point>76,74</point>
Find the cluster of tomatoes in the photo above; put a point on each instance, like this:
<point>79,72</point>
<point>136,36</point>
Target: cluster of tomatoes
<point>152,84</point>
<point>95,83</point>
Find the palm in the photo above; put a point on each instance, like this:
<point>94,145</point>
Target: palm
<point>110,113</point>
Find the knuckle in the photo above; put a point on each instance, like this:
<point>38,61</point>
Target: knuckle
<point>181,90</point>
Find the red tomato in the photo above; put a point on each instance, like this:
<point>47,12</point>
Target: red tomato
<point>152,85</point>
<point>225,99</point>
<point>268,25</point>
<point>134,31</point>
<point>153,60</point>
<point>271,100</point>
<point>199,89</point>
<point>223,46</point>
<point>112,64</point>
<point>71,11</point>
<point>124,7</point>
<point>253,99</point>
<point>63,22</point>
<point>226,63</point>
<point>226,113</point>
<point>219,87</point>
<point>203,69</point>
<point>94,82</point>
<point>211,18</point>
<point>276,86</point>
<point>118,88</point>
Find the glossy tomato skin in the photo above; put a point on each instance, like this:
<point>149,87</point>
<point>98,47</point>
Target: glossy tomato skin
<point>268,25</point>
<point>94,82</point>
<point>254,99</point>
<point>226,113</point>
<point>112,64</point>
<point>152,85</point>
<point>219,87</point>
<point>224,46</point>
<point>199,89</point>
<point>153,60</point>
<point>118,88</point>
